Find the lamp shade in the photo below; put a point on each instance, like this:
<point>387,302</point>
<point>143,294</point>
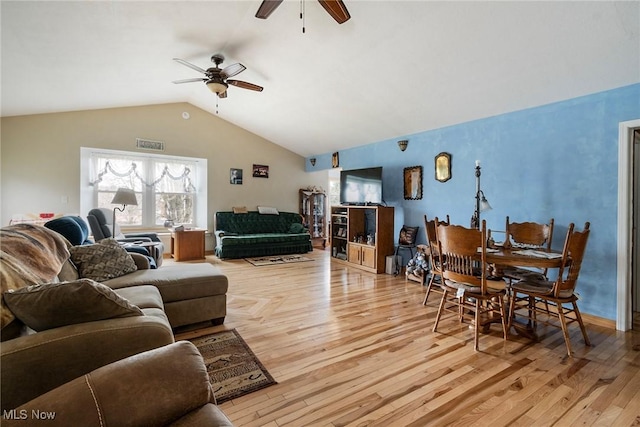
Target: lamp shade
<point>124,196</point>
<point>484,204</point>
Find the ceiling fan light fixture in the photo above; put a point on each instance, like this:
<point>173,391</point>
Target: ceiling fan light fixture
<point>217,86</point>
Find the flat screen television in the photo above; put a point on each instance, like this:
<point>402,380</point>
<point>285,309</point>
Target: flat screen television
<point>361,186</point>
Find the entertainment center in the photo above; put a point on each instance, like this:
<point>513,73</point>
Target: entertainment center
<point>362,236</point>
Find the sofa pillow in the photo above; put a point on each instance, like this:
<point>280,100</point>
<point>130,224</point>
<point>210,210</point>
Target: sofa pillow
<point>102,261</point>
<point>52,305</point>
<point>240,210</point>
<point>408,235</point>
<point>296,228</point>
<point>266,210</point>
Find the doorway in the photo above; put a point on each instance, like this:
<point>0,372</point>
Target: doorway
<point>628,242</point>
<point>635,227</point>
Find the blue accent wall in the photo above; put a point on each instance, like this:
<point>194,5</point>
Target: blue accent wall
<point>554,161</point>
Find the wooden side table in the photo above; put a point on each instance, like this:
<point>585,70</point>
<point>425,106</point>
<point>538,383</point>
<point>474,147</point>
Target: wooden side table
<point>187,244</point>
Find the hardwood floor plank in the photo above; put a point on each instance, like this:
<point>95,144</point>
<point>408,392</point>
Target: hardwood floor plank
<point>630,415</point>
<point>351,348</point>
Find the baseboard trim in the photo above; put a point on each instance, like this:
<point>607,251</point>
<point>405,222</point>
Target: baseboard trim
<point>599,321</point>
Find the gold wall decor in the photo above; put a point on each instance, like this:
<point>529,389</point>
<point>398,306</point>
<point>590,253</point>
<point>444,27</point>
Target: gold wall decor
<point>443,167</point>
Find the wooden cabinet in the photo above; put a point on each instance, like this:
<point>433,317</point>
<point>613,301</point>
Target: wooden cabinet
<point>362,236</point>
<point>364,255</point>
<point>313,210</point>
<point>187,244</point>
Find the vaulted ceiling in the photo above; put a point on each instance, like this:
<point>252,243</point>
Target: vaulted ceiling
<point>395,68</point>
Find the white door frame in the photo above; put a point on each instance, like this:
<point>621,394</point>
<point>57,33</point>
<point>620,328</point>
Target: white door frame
<point>624,316</point>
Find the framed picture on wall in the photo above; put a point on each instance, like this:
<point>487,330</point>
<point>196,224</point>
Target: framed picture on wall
<point>260,171</point>
<point>413,183</point>
<point>235,176</point>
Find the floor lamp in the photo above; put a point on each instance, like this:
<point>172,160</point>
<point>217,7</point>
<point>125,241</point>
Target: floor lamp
<point>481,201</point>
<point>124,197</point>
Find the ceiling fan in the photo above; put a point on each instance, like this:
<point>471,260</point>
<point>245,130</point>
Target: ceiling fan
<point>335,8</point>
<point>217,79</point>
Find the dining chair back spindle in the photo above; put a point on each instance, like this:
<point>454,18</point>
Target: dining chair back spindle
<point>465,284</point>
<point>434,255</point>
<point>558,293</point>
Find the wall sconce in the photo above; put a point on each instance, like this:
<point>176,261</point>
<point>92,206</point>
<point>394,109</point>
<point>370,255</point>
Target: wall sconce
<point>312,161</point>
<point>403,144</point>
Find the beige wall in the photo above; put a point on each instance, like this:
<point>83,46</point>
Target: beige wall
<point>40,167</point>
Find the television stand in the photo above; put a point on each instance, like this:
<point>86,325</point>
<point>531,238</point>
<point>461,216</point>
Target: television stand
<point>349,236</point>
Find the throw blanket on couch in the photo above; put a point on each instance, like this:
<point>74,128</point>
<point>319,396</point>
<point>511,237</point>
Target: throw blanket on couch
<point>29,254</point>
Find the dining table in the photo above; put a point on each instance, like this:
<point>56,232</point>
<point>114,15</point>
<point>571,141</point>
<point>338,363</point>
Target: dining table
<point>523,257</point>
<point>515,256</point>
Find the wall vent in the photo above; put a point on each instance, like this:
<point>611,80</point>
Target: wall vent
<point>147,144</point>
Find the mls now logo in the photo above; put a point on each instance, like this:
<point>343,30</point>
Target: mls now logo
<point>23,414</point>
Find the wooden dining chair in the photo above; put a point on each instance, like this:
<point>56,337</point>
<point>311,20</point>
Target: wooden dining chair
<point>465,284</point>
<point>558,293</point>
<point>528,235</point>
<point>434,255</point>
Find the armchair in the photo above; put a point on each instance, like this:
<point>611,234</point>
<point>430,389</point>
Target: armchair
<point>73,228</point>
<point>100,222</point>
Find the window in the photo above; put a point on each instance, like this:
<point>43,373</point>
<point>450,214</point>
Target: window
<point>166,187</point>
<point>334,187</point>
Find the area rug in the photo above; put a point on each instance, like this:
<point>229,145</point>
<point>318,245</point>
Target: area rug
<point>233,368</point>
<point>277,259</point>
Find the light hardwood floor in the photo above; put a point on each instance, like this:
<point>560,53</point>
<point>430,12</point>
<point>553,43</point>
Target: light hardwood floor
<point>350,348</point>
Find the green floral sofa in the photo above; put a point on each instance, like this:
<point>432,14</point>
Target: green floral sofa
<point>252,234</point>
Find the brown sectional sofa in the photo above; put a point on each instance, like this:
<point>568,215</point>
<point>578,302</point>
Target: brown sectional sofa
<point>33,363</point>
<point>171,389</point>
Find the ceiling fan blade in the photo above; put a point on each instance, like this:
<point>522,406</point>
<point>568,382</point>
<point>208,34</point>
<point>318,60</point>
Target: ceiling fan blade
<point>245,85</point>
<point>336,9</point>
<point>195,79</point>
<point>222,94</point>
<point>232,70</point>
<point>267,7</point>
<point>190,65</point>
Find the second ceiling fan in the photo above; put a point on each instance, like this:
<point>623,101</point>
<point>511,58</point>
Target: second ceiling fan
<point>335,8</point>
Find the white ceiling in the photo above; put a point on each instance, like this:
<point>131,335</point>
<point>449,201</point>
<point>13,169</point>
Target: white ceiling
<point>394,69</point>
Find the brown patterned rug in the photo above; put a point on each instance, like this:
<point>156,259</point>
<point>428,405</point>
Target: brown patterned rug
<point>233,368</point>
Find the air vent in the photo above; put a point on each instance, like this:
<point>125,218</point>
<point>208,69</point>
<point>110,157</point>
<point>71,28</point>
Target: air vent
<point>147,144</point>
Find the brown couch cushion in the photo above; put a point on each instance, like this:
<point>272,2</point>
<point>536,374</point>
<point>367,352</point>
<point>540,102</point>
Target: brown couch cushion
<point>178,282</point>
<point>102,261</point>
<point>52,305</point>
